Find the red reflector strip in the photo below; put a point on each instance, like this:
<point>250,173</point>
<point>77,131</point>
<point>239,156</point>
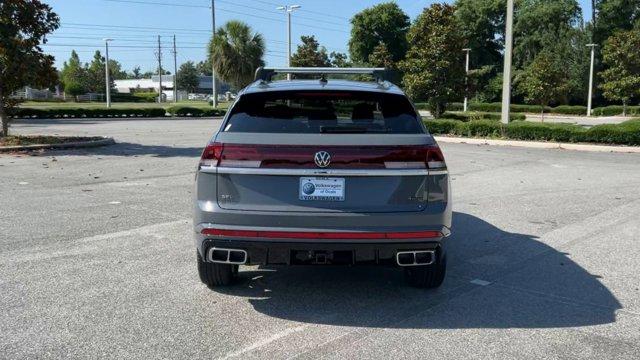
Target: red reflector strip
<point>321,235</point>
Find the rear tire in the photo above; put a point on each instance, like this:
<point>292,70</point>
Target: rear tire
<point>213,274</point>
<point>429,276</point>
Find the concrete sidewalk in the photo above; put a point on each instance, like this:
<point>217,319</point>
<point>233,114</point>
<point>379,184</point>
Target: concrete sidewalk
<point>540,144</point>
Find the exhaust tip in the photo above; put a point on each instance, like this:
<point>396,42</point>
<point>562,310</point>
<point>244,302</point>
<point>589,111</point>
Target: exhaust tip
<point>415,258</point>
<point>227,256</point>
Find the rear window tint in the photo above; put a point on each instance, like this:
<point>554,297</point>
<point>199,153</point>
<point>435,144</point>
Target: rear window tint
<point>323,112</point>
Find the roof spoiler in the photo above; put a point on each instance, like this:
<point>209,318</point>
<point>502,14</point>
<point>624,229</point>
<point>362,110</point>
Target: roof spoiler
<point>380,74</point>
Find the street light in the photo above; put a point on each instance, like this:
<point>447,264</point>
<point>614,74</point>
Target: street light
<point>466,79</point>
<point>593,50</point>
<point>506,73</point>
<point>288,9</point>
<point>106,71</point>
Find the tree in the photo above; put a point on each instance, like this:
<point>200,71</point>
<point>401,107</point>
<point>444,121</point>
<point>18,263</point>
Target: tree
<point>482,25</point>
<point>433,69</point>
<point>23,27</point>
<point>543,23</point>
<point>622,60</point>
<point>136,73</point>
<point>615,15</point>
<point>236,52</point>
<point>543,80</point>
<point>95,72</point>
<point>204,67</point>
<point>384,23</point>
<point>310,54</point>
<point>339,59</point>
<point>74,75</point>
<point>115,69</point>
<point>538,25</point>
<point>187,77</point>
<point>381,57</point>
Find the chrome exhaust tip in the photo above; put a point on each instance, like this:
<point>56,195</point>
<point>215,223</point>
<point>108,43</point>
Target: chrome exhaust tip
<point>415,258</point>
<point>227,256</point>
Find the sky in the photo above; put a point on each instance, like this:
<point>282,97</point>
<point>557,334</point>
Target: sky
<point>134,26</point>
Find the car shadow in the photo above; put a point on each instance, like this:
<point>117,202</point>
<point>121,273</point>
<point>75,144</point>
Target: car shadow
<point>125,149</point>
<point>531,286</point>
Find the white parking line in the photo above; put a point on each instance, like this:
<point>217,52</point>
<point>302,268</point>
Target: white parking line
<point>265,341</point>
<point>480,282</point>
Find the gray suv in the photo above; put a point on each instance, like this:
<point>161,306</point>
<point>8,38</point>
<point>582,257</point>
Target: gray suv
<point>322,171</point>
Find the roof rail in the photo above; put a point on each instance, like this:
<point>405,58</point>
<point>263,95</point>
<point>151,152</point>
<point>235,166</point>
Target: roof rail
<point>380,74</point>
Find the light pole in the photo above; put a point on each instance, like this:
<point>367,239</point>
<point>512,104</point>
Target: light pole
<point>288,9</point>
<point>106,72</point>
<point>466,79</point>
<point>506,73</point>
<point>593,51</point>
<point>214,101</point>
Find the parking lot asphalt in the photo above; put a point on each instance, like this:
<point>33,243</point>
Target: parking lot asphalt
<point>97,260</point>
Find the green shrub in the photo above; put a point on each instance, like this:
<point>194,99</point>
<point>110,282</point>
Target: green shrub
<point>544,132</point>
<point>483,128</point>
<point>184,111</point>
<point>192,111</point>
<point>442,126</point>
<point>138,97</point>
<point>626,133</point>
<point>90,113</point>
<point>569,110</point>
<point>475,115</point>
<point>614,110</point>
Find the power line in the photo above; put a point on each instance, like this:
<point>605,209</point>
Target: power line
<point>278,13</point>
<point>224,10</point>
<point>110,33</point>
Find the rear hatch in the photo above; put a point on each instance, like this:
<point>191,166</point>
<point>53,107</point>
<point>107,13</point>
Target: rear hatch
<point>322,152</point>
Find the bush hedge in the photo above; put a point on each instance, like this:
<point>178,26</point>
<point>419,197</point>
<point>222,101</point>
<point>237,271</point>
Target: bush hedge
<point>615,110</point>
<point>535,109</point>
<point>146,97</point>
<point>106,112</point>
<point>627,133</point>
<point>196,112</point>
<point>476,115</point>
<point>90,113</point>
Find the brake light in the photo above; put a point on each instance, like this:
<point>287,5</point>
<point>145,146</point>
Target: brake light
<point>435,159</point>
<point>211,155</point>
<point>321,235</point>
<point>342,157</point>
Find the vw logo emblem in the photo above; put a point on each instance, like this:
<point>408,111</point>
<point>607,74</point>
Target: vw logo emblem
<point>322,159</point>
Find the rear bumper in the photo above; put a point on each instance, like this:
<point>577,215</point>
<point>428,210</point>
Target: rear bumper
<point>308,253</point>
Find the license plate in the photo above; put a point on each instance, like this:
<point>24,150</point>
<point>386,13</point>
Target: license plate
<point>321,188</point>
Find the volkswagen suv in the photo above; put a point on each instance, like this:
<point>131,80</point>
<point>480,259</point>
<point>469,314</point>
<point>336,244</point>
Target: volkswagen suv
<point>322,171</point>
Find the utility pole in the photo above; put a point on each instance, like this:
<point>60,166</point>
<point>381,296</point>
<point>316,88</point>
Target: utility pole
<point>288,9</point>
<point>106,72</point>
<point>506,73</point>
<point>175,71</point>
<point>593,51</point>
<point>213,68</point>
<point>466,80</point>
<point>159,56</point>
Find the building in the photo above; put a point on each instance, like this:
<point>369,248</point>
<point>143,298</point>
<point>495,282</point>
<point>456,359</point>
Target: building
<point>133,85</point>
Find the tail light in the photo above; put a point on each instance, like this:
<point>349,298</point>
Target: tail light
<point>418,157</point>
<point>218,154</point>
<point>435,159</point>
<point>211,155</point>
<point>342,157</point>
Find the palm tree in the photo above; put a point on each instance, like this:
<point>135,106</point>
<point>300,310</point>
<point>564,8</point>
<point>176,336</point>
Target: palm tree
<point>237,52</point>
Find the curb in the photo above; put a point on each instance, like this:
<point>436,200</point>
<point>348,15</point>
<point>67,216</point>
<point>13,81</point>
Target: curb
<point>78,144</point>
<point>540,145</point>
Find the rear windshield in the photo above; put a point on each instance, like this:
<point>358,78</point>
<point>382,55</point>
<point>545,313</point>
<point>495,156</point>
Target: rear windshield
<point>323,112</point>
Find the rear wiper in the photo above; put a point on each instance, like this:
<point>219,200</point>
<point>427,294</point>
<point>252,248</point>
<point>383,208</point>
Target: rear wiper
<point>343,129</point>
